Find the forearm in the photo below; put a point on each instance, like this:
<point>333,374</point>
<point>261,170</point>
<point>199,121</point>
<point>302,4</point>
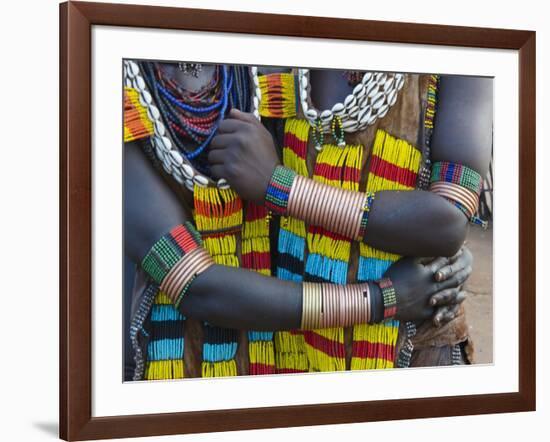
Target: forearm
<point>412,223</point>
<point>225,296</point>
<point>415,223</point>
<point>243,299</point>
<point>238,298</point>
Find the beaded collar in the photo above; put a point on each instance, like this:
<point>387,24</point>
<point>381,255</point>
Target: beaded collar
<point>370,100</point>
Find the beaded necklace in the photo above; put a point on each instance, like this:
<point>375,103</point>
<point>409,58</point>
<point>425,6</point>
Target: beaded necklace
<point>240,95</point>
<point>171,134</point>
<point>369,101</point>
<point>197,123</point>
<point>193,118</point>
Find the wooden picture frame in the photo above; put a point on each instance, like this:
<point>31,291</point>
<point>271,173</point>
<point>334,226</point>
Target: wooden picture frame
<point>76,421</point>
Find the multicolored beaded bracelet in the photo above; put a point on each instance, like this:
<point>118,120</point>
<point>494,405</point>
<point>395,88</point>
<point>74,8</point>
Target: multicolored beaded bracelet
<point>369,199</point>
<point>388,296</point>
<point>175,260</point>
<point>278,189</point>
<point>457,174</point>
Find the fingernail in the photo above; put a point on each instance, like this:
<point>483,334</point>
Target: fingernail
<point>433,302</point>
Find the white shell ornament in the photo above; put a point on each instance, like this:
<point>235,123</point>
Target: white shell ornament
<point>153,113</point>
<point>338,109</point>
<point>200,180</point>
<point>223,184</point>
<point>311,114</point>
<point>159,128</point>
<point>326,115</point>
<point>189,184</point>
<point>350,101</point>
<point>187,171</point>
<point>177,159</point>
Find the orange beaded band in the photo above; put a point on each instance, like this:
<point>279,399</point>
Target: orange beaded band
<point>327,305</point>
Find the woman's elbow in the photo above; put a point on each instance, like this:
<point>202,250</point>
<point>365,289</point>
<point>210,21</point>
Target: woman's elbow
<point>450,232</point>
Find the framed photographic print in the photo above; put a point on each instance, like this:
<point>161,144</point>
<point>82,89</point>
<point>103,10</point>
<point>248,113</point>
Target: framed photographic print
<point>275,220</point>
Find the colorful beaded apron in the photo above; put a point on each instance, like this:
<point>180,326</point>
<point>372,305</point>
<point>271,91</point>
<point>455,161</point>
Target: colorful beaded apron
<point>219,216</point>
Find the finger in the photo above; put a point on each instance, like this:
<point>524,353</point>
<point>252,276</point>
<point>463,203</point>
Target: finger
<point>449,314</point>
<point>221,141</point>
<point>230,125</point>
<point>461,297</point>
<point>447,271</point>
<point>444,297</point>
<point>218,171</point>
<point>425,260</point>
<point>216,156</point>
<point>456,280</point>
<point>242,116</point>
<point>438,316</point>
<point>437,263</point>
<point>444,314</point>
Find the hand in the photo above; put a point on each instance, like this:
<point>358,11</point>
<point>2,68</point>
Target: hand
<point>244,154</point>
<point>416,285</point>
<point>447,302</point>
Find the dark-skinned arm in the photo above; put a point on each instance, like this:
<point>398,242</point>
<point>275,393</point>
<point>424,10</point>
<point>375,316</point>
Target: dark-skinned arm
<point>463,135</point>
<point>411,223</point>
<point>239,298</point>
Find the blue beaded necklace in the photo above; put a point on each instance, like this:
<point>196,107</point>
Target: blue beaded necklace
<point>168,103</point>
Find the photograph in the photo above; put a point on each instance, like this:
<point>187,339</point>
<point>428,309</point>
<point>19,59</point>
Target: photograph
<point>277,220</point>
<point>287,220</point>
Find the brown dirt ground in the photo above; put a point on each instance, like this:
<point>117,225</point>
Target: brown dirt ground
<point>479,303</point>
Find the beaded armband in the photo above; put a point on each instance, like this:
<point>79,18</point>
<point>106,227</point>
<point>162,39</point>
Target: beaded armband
<point>278,189</point>
<point>369,199</point>
<point>460,185</point>
<point>457,174</point>
<point>175,260</point>
<point>388,297</point>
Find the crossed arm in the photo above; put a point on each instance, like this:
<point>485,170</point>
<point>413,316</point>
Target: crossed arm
<point>239,298</point>
<point>244,299</point>
<point>412,223</point>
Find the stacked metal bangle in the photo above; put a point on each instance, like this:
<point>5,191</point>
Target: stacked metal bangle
<point>464,198</point>
<point>327,305</point>
<point>388,296</point>
<point>175,260</point>
<point>339,210</point>
<point>342,211</point>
